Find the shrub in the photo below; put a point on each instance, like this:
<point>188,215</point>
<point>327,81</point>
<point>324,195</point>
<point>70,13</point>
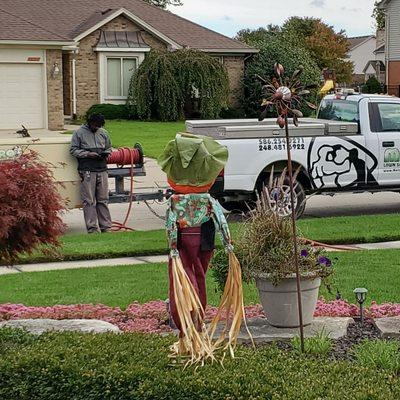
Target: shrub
<point>379,354</point>
<point>372,86</point>
<point>275,48</point>
<point>132,366</point>
<point>30,206</point>
<point>112,111</point>
<point>167,82</point>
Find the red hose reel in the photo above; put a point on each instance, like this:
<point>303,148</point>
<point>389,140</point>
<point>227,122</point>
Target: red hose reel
<point>121,157</point>
<point>126,156</point>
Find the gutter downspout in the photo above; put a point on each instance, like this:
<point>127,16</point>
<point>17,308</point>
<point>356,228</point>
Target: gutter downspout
<point>74,116</point>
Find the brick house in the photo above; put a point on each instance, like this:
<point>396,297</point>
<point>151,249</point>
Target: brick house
<point>392,45</point>
<point>59,57</point>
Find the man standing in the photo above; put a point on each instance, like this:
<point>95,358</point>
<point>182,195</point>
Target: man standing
<point>91,145</point>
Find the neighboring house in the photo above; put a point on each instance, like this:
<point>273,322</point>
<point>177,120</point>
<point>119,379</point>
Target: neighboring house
<point>59,57</point>
<point>392,46</point>
<point>361,53</point>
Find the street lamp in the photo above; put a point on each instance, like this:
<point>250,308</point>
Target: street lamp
<point>361,295</point>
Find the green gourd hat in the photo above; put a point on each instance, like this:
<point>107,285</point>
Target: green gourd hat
<point>193,160</point>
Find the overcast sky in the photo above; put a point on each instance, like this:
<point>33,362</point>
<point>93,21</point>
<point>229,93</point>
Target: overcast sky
<point>229,16</point>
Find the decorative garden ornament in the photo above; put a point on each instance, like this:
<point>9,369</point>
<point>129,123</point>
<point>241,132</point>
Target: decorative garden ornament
<point>192,163</point>
<point>285,95</point>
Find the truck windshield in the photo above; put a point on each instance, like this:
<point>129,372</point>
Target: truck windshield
<point>338,110</point>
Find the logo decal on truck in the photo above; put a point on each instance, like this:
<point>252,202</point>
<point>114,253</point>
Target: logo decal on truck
<point>343,164</point>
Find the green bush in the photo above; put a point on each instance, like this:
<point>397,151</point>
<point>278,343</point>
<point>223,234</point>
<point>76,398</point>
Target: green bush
<point>372,86</point>
<point>379,354</point>
<point>168,84</point>
<point>112,111</point>
<point>132,366</point>
<point>276,48</point>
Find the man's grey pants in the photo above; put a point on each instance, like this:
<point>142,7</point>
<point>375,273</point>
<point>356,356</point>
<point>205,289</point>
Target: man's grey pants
<point>94,195</point>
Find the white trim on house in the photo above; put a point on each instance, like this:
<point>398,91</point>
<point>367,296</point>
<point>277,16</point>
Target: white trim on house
<point>134,18</point>
<point>231,51</point>
<point>37,42</point>
<point>103,56</point>
<point>123,50</point>
<point>46,95</point>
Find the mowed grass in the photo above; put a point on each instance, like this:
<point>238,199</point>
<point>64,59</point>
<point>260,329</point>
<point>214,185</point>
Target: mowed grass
<point>337,230</point>
<point>153,136</point>
<point>378,271</point>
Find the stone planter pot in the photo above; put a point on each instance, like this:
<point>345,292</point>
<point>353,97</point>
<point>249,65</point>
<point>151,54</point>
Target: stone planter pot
<point>280,302</point>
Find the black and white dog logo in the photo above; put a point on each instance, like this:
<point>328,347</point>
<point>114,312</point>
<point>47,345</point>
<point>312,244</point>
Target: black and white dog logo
<point>343,164</point>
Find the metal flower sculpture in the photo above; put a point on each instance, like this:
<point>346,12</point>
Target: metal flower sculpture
<point>285,95</point>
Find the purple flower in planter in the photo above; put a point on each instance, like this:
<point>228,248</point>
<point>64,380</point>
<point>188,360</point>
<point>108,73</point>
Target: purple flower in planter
<point>324,261</point>
<point>304,253</point>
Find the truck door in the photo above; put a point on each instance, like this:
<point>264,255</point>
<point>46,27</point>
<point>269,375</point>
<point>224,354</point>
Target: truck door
<point>385,123</point>
<point>339,162</point>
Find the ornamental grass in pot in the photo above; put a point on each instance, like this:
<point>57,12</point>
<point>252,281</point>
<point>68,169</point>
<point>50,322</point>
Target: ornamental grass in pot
<point>266,247</point>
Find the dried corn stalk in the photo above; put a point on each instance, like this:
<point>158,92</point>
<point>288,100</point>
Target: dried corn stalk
<point>194,345</point>
<point>231,303</point>
<point>197,346</point>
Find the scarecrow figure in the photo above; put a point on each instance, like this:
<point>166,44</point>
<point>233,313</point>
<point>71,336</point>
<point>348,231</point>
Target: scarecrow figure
<point>192,163</point>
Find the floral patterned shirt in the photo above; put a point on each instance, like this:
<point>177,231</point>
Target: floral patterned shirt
<point>192,210</point>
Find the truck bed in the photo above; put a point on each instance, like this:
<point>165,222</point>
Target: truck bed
<point>252,128</point>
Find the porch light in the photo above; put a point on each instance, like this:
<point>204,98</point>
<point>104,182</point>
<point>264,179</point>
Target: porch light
<point>55,71</point>
<point>361,295</point>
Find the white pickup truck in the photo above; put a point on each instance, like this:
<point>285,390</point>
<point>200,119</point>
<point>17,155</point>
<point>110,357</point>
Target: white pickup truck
<point>353,145</point>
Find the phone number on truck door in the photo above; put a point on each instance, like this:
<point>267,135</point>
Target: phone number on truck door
<point>280,144</point>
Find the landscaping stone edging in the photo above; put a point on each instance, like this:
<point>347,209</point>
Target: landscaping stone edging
<point>39,326</point>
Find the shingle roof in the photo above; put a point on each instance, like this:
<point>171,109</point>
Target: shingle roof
<point>53,19</point>
<point>13,27</point>
<point>357,40</point>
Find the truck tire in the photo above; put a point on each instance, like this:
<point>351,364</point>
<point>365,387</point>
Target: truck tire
<point>281,197</point>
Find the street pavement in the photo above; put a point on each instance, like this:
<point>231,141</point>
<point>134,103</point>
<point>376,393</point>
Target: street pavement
<point>142,218</point>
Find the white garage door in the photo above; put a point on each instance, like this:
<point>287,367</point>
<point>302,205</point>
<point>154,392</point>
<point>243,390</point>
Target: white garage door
<point>21,96</point>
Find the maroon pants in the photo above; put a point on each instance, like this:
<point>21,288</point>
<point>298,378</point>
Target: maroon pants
<point>195,262</point>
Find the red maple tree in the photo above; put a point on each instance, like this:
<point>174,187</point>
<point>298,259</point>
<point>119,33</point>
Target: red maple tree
<point>30,208</point>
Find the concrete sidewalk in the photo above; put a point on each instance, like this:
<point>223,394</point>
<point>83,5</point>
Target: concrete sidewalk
<point>109,262</point>
<point>54,266</point>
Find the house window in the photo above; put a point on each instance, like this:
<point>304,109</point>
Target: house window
<point>119,74</point>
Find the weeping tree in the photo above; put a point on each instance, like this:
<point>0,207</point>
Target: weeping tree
<point>166,83</point>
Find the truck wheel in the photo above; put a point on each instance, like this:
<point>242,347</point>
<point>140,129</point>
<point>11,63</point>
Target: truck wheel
<point>280,199</point>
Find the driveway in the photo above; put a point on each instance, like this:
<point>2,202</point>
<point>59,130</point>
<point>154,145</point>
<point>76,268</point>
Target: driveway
<point>142,218</point>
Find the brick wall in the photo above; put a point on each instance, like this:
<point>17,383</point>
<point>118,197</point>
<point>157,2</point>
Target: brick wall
<point>87,68</point>
<point>54,90</point>
<point>235,68</point>
<point>393,79</point>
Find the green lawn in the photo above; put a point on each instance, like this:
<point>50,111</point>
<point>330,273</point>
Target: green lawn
<point>358,229</point>
<point>153,136</point>
<point>379,271</point>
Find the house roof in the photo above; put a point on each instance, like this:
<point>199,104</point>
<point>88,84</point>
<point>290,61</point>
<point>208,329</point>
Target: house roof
<point>13,27</point>
<point>68,19</point>
<point>358,40</point>
<point>376,65</point>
